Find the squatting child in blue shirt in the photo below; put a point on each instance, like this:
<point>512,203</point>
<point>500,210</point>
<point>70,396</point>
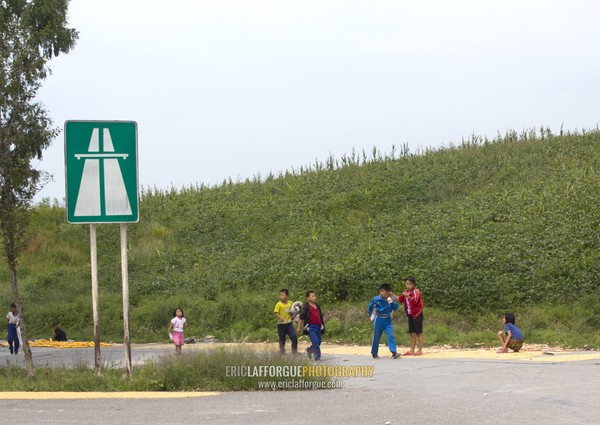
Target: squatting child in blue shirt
<point>511,337</point>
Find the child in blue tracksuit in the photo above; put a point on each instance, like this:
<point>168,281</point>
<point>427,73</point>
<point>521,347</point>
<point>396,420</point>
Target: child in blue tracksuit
<point>380,309</point>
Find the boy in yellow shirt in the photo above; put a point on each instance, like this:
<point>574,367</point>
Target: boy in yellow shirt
<point>285,326</point>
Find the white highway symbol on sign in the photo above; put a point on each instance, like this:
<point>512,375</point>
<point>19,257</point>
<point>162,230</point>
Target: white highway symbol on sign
<point>106,162</point>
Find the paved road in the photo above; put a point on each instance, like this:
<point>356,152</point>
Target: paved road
<point>111,356</point>
<point>417,390</point>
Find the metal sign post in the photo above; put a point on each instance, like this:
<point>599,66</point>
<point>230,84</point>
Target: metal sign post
<point>125,277</point>
<point>101,175</point>
<point>94,264</point>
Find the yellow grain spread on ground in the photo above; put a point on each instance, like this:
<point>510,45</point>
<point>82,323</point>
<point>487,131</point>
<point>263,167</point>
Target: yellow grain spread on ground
<point>48,343</point>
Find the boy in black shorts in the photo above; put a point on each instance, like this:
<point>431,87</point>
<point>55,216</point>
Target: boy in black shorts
<point>413,306</point>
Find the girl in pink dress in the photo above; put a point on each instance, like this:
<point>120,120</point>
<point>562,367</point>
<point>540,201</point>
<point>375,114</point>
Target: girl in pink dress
<point>177,325</point>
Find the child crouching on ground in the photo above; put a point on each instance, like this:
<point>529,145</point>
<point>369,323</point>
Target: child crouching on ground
<point>511,337</point>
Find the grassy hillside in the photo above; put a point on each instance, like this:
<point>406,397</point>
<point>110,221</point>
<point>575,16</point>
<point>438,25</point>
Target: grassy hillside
<point>487,226</point>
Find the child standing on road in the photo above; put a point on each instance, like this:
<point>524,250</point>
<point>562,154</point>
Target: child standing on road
<point>178,324</point>
<point>285,326</point>
<point>413,306</point>
<point>312,316</point>
<point>514,336</point>
<point>380,309</point>
<point>12,322</point>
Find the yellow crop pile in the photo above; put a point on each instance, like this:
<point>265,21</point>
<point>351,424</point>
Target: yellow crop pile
<point>66,344</point>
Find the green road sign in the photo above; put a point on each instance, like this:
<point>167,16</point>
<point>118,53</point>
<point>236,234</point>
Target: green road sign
<point>101,172</point>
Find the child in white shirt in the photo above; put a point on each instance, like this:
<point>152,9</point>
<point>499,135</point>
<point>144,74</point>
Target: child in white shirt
<point>177,325</point>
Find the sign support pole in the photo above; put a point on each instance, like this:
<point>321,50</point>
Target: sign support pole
<point>94,266</point>
<point>125,277</point>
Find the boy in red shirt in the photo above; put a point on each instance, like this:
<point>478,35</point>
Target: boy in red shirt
<point>312,317</point>
<point>413,306</point>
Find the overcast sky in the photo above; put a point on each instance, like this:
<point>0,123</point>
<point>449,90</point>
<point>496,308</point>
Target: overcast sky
<point>231,88</point>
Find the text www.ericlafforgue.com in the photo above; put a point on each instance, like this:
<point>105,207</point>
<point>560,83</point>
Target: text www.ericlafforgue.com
<point>300,384</point>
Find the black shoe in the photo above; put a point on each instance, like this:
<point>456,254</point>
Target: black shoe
<point>395,355</point>
<point>375,356</point>
<point>309,353</point>
<point>11,351</point>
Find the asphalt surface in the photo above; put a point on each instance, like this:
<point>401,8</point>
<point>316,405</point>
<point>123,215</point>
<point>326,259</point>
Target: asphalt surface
<point>407,390</point>
<point>110,356</point>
